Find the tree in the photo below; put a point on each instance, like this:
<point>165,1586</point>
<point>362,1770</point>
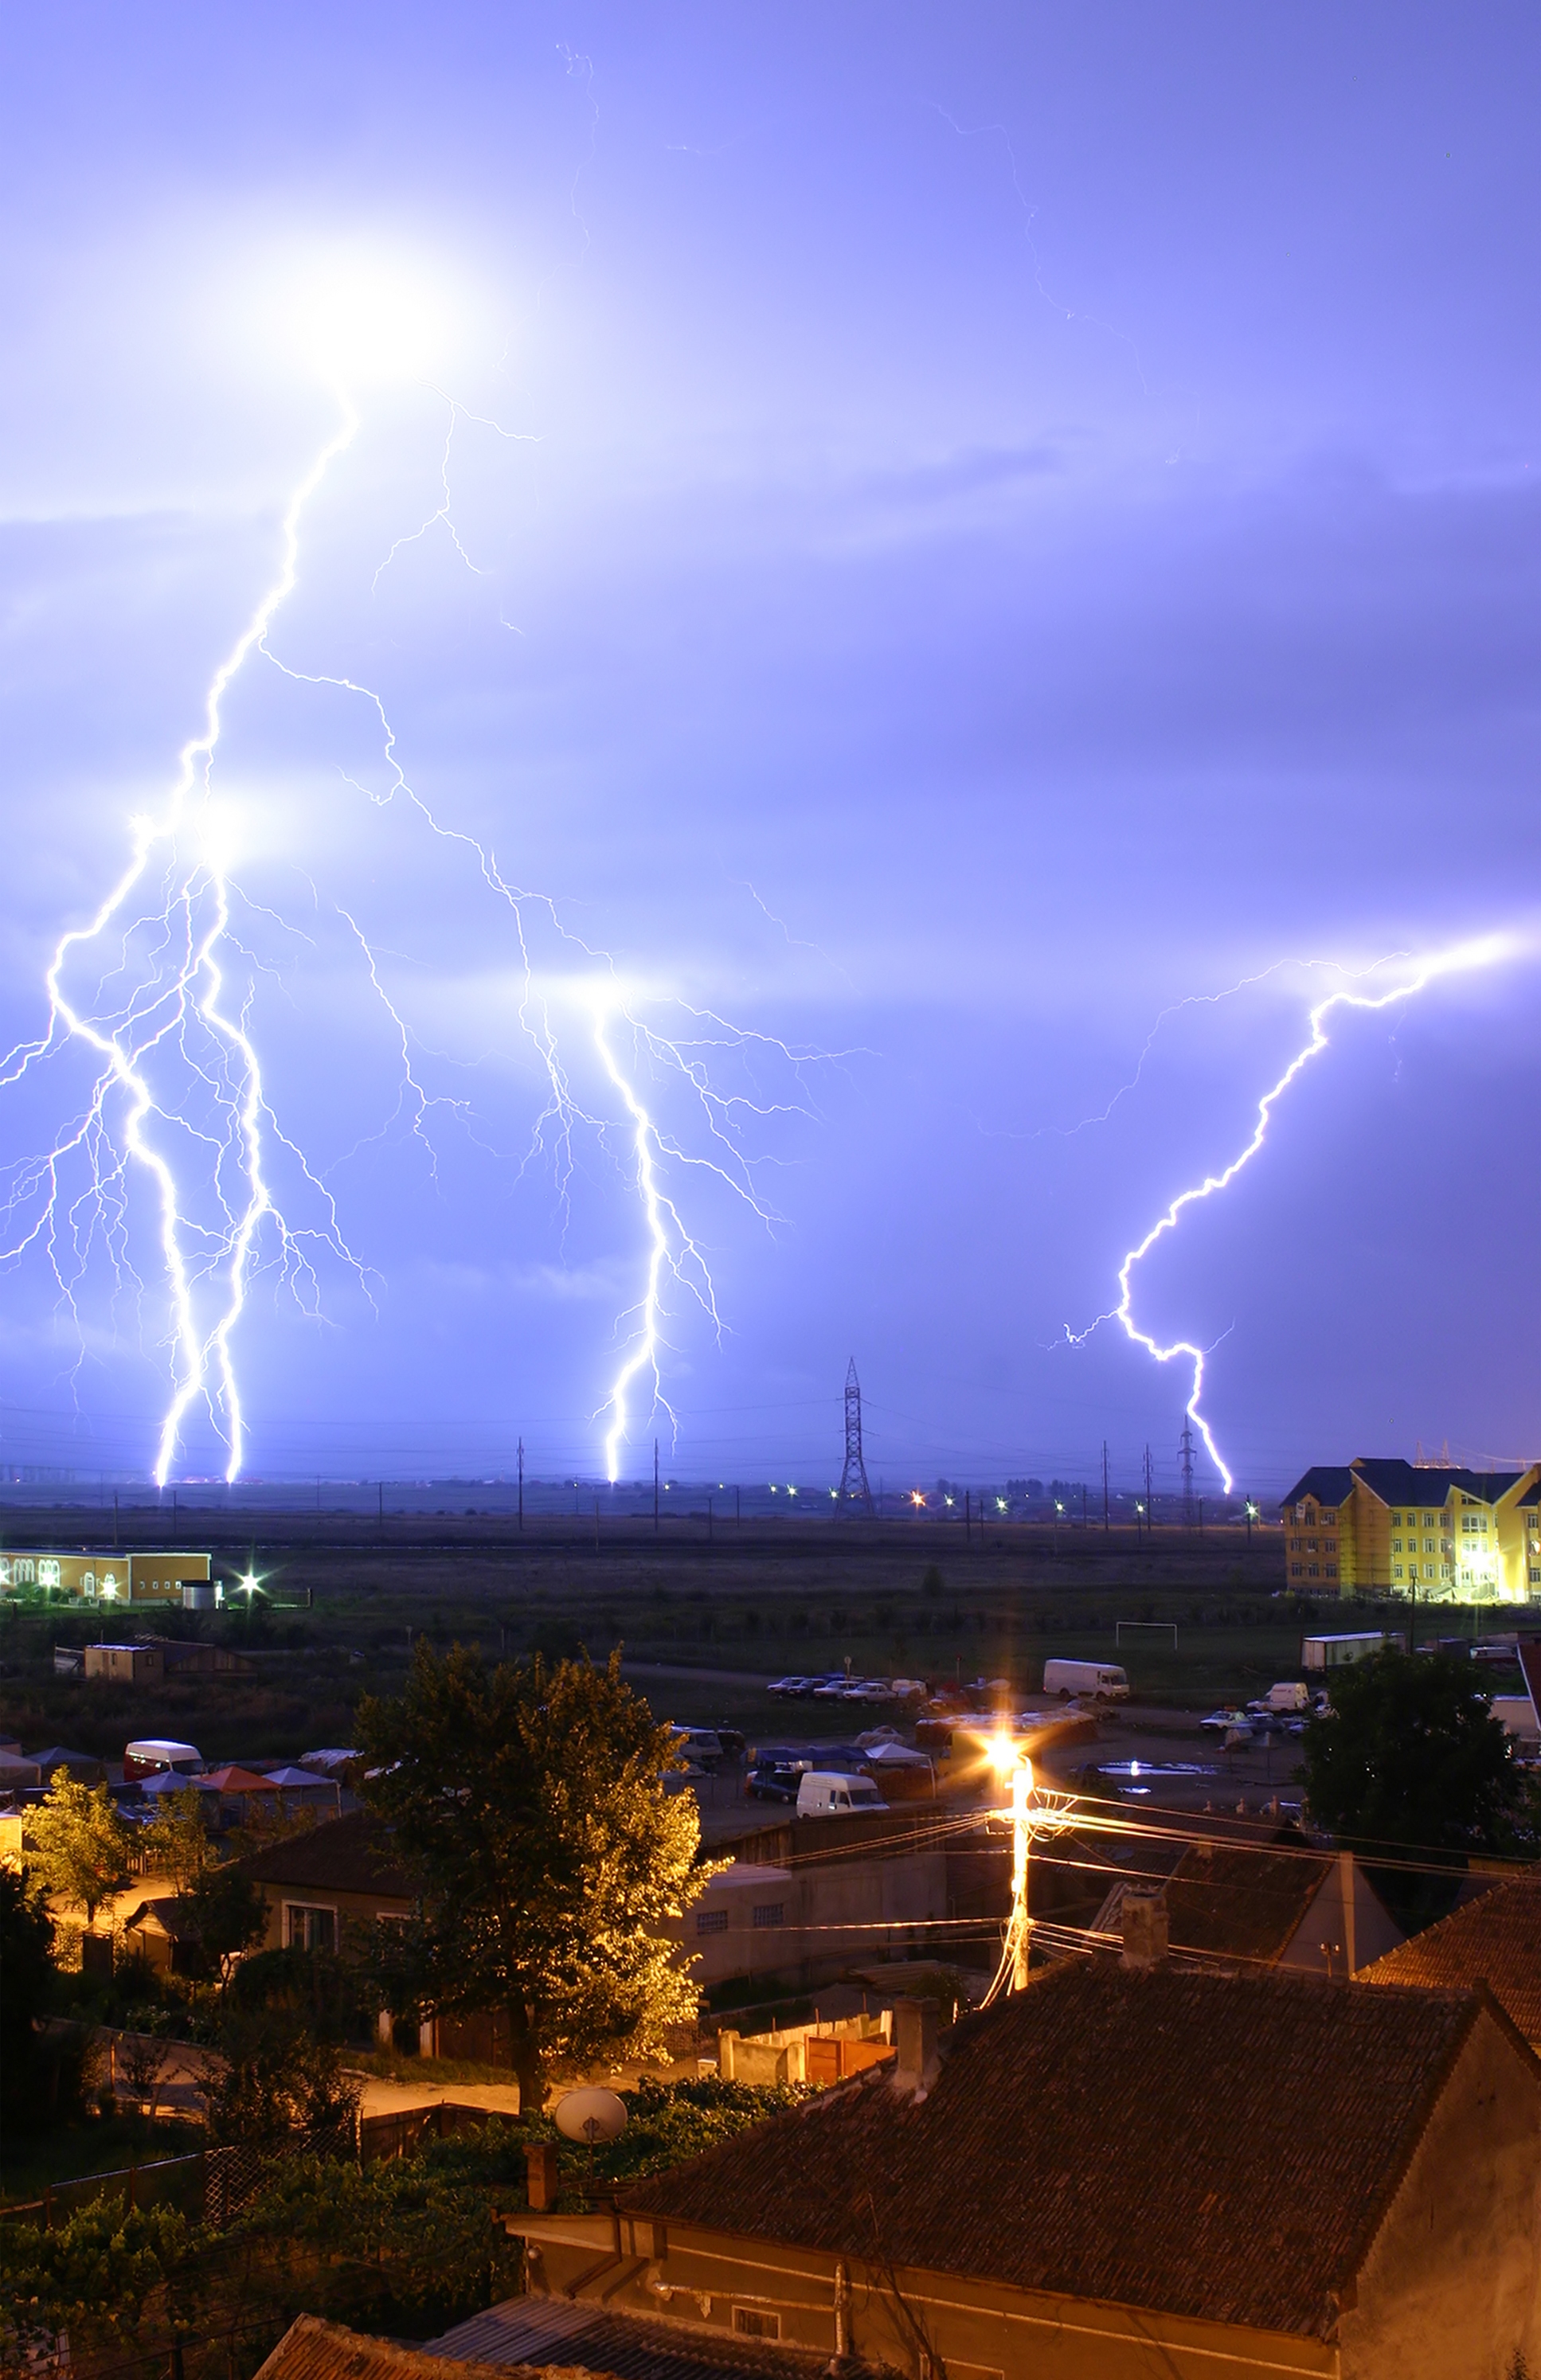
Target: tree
<point>176,1840</point>
<point>26,1984</point>
<point>1408,1753</point>
<point>79,1845</point>
<point>283,2024</point>
<point>230,1914</point>
<point>531,1801</point>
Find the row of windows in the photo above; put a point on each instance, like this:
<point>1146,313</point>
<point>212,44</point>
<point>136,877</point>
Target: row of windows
<point>764,1916</point>
<point>1314,1570</point>
<point>1412,1570</point>
<point>1444,1546</point>
<point>1310,1546</point>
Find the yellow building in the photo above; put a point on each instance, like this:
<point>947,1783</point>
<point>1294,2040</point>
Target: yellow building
<point>108,1578</point>
<point>1402,1528</point>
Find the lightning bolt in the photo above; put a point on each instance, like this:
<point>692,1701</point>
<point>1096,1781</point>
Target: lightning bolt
<point>1488,951</point>
<point>166,944</point>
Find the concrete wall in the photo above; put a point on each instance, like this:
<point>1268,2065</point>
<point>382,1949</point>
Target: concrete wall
<point>1448,2290</point>
<point>981,2331</point>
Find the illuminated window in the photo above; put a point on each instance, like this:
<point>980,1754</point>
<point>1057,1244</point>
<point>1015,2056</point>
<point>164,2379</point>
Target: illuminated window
<point>755,2322</point>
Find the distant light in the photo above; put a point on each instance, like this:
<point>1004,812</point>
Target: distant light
<point>836,1493</point>
<point>951,1499</point>
<point>1058,1506</point>
<point>1001,1504</point>
<point>791,1492</point>
<point>919,1500</point>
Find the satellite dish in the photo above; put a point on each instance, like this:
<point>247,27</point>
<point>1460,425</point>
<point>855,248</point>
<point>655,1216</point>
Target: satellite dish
<point>591,2116</point>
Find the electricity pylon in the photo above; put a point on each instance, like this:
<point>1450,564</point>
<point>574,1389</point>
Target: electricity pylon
<point>853,1479</point>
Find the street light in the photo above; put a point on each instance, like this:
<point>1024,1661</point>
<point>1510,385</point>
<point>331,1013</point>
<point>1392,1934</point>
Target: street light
<point>1252,1515</point>
<point>1031,1812</point>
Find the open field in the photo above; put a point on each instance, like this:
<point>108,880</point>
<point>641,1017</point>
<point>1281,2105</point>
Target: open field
<point>706,1619</point>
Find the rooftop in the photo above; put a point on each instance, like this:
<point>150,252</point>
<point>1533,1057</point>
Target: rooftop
<point>1396,1482</point>
<point>632,2347</point>
<point>351,1855</point>
<point>1097,2135</point>
<point>313,2350</point>
<point>1495,1940</point>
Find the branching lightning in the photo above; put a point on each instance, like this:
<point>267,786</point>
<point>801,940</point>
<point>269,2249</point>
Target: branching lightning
<point>1460,958</point>
<point>178,1092</point>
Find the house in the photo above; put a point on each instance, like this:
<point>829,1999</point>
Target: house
<point>1282,1904</point>
<point>1466,1536</point>
<point>1494,1941</point>
<point>162,1933</point>
<point>805,1923</point>
<point>127,1665</point>
<point>314,1883</point>
<point>1125,2170</point>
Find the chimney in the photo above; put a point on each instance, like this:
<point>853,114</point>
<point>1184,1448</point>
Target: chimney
<point>916,2028</point>
<point>541,2175</point>
<point>1144,1916</point>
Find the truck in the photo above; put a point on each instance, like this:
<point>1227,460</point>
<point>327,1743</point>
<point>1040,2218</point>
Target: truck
<point>1102,1680</point>
<point>826,1793</point>
<point>1336,1652</point>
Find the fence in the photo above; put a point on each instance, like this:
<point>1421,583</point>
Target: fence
<point>214,2184</point>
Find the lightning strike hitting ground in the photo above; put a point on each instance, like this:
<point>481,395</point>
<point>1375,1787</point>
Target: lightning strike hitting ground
<point>1464,956</point>
<point>160,1035</point>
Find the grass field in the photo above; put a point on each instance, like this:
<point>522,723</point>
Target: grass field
<point>342,1600</point>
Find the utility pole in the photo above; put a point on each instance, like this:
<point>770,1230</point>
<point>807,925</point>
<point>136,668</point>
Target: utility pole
<point>968,1517</point>
<point>655,1486</point>
<point>115,1520</point>
<point>1082,1504</point>
<point>738,1510</point>
<point>521,1485</point>
<point>1185,1447</point>
<point>708,1521</point>
<point>853,1478</point>
<point>1106,1523</point>
<point>1022,1923</point>
<point>1149,1507</point>
<point>595,1525</point>
<point>380,1486</point>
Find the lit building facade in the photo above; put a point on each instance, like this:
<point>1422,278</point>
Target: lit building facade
<point>162,1578</point>
<point>1406,1528</point>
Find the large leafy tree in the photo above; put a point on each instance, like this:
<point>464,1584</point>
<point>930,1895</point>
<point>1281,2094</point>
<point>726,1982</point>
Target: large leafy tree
<point>78,1845</point>
<point>531,1801</point>
<point>26,1983</point>
<point>1409,1755</point>
<point>177,1839</point>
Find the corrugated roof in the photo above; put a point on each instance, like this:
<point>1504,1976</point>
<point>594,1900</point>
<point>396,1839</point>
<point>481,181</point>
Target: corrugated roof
<point>313,2350</point>
<point>1240,1902</point>
<point>633,2347</point>
<point>351,1855</point>
<point>1495,1940</point>
<point>1211,2145</point>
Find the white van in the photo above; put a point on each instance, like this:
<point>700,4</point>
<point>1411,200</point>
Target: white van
<point>151,1755</point>
<point>1292,1695</point>
<point>1098,1679</point>
<point>824,1794</point>
<point>700,1745</point>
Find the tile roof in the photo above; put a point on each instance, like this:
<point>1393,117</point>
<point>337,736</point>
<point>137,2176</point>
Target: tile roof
<point>313,2350</point>
<point>632,2347</point>
<point>1410,1483</point>
<point>1240,1902</point>
<point>1214,2146</point>
<point>351,1855</point>
<point>1495,1940</point>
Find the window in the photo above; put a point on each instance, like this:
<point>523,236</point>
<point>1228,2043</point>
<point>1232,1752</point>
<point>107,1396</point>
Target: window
<point>711,1921</point>
<point>311,1929</point>
<point>1396,1520</point>
<point>770,1913</point>
<point>1396,1545</point>
<point>1396,1570</point>
<point>1313,1571</point>
<point>1296,1571</point>
<point>1329,1520</point>
<point>755,2322</point>
<point>1329,1545</point>
<point>1331,1569</point>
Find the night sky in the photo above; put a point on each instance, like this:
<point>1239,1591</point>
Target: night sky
<point>951,539</point>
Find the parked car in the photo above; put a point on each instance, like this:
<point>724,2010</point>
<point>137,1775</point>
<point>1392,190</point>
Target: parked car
<point>791,1690</point>
<point>1292,1695</point>
<point>827,1793</point>
<point>774,1784</point>
<point>1229,1715</point>
<point>831,1690</point>
<point>733,1741</point>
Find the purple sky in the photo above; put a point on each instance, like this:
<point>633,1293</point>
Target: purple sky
<point>975,527</point>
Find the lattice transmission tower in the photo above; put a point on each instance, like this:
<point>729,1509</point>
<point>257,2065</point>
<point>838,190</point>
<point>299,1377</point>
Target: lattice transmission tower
<point>1185,1447</point>
<point>853,1479</point>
